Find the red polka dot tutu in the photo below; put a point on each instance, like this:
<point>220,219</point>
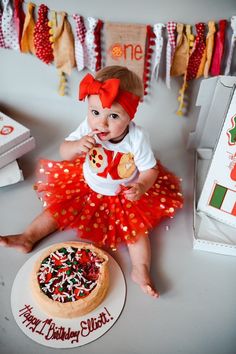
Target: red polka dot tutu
<point>105,220</point>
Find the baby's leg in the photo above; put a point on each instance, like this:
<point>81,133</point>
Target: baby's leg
<point>140,254</point>
<point>41,226</point>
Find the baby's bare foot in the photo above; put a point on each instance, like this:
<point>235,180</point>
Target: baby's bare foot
<point>141,276</point>
<point>18,242</point>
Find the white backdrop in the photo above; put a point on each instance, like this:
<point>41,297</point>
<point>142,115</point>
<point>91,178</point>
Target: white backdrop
<point>28,87</point>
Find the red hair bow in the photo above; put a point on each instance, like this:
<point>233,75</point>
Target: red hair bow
<point>107,90</point>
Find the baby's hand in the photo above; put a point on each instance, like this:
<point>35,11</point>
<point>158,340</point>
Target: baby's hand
<point>134,191</point>
<point>87,142</point>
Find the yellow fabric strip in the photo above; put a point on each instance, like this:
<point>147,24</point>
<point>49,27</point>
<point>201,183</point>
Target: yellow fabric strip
<point>27,39</point>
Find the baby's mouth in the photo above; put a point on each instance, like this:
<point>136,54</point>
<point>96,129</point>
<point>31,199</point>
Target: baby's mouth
<point>102,135</point>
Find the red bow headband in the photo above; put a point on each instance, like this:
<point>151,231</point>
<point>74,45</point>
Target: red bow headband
<point>109,92</point>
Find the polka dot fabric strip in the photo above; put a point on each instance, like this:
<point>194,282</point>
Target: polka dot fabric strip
<point>8,26</point>
<point>2,42</point>
<point>197,52</point>
<point>42,43</point>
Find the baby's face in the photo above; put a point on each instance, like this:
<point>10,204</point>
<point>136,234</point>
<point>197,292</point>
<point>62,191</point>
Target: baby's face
<point>111,122</point>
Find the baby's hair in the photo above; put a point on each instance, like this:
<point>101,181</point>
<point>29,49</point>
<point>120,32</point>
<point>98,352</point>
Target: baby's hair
<point>129,81</point>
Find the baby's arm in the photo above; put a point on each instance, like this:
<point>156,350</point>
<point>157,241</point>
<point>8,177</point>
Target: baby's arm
<point>69,150</point>
<point>144,182</point>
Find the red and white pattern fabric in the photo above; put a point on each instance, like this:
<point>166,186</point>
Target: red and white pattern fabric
<point>158,31</point>
<point>170,49</point>
<point>97,43</point>
<point>90,52</point>
<point>197,52</point>
<point>2,42</point>
<point>147,61</point>
<point>8,27</point>
<point>88,43</point>
<point>80,32</point>
<point>42,43</point>
<point>19,17</point>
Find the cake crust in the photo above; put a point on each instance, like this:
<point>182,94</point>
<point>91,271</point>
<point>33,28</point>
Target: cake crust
<point>81,306</point>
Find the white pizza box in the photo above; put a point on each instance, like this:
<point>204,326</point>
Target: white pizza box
<point>209,234</point>
<point>17,151</point>
<point>218,196</point>
<point>11,133</point>
<point>10,174</point>
<point>215,97</point>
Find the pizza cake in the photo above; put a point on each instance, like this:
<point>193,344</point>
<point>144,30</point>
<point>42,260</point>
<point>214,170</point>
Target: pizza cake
<point>70,279</point>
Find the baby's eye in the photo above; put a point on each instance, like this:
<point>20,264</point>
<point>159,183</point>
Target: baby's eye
<point>94,112</point>
<point>114,115</point>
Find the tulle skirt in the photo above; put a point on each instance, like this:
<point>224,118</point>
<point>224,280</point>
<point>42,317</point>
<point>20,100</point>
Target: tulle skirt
<point>105,220</point>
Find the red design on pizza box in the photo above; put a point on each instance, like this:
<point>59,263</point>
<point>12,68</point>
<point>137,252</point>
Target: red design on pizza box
<point>233,173</point>
<point>6,130</point>
<point>12,134</point>
<point>231,132</point>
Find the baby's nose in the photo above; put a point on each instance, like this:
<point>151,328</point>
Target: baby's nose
<point>103,123</point>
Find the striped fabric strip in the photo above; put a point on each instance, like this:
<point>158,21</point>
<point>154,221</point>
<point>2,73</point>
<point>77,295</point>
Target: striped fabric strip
<point>232,44</point>
<point>79,41</point>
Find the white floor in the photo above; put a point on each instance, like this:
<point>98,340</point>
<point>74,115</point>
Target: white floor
<point>196,313</point>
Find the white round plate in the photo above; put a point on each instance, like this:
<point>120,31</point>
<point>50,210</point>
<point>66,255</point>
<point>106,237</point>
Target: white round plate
<point>66,333</point>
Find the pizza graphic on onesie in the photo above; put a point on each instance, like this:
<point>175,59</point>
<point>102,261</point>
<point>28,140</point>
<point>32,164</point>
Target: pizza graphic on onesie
<point>126,166</point>
<point>118,165</point>
<point>98,159</point>
<point>70,279</point>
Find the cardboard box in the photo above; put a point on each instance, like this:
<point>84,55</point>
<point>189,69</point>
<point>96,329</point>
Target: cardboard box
<point>209,234</point>
<point>12,133</point>
<point>17,151</point>
<point>10,174</point>
<point>214,229</point>
<point>15,140</point>
<point>218,196</point>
